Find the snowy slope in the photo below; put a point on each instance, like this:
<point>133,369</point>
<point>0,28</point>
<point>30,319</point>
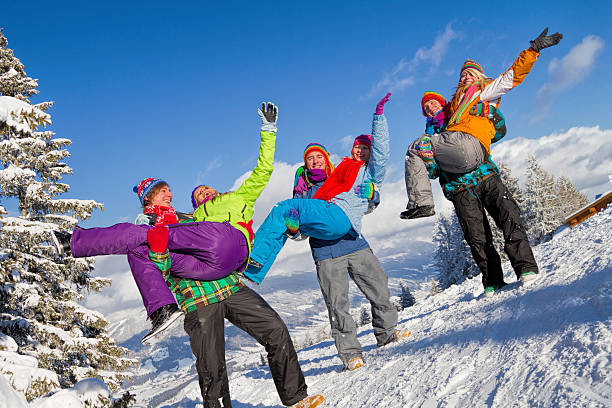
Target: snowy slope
<point>545,345</point>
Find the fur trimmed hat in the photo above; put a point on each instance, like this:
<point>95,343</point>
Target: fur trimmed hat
<point>312,147</point>
<point>471,64</point>
<point>145,186</point>
<point>429,96</point>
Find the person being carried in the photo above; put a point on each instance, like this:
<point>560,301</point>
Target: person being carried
<point>481,189</point>
<point>451,149</point>
<point>346,256</point>
<point>339,203</point>
<point>208,254</point>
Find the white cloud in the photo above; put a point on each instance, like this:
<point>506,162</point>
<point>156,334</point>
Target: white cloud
<point>571,69</point>
<point>214,164</point>
<point>402,75</point>
<point>584,154</point>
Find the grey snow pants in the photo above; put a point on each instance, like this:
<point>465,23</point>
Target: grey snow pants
<point>365,270</point>
<point>454,152</point>
<point>249,312</point>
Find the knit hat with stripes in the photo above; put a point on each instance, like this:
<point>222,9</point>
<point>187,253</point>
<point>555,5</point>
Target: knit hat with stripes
<point>312,147</point>
<point>429,96</point>
<point>471,64</point>
<point>145,186</point>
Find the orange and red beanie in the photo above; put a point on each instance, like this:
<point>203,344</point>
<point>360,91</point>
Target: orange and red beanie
<point>145,186</point>
<point>429,96</point>
<point>319,148</point>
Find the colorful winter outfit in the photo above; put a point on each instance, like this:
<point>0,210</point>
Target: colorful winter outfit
<point>480,188</point>
<point>220,239</point>
<point>206,304</point>
<point>335,261</point>
<point>336,210</point>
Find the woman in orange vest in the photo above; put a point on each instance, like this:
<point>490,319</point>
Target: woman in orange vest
<point>465,145</point>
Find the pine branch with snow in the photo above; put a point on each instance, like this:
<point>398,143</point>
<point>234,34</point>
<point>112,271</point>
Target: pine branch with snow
<point>40,289</point>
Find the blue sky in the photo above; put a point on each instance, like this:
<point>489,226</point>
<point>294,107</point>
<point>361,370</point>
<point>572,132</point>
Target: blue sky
<point>157,90</point>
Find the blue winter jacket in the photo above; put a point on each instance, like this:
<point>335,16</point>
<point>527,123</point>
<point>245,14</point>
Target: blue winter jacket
<point>322,249</point>
<point>353,205</point>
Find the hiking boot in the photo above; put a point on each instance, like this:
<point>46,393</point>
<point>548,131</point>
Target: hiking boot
<point>161,319</point>
<point>309,402</point>
<point>354,363</point>
<point>61,242</point>
<point>527,277</point>
<point>401,334</point>
<point>418,212</point>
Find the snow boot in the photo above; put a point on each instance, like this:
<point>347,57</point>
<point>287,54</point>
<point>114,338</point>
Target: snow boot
<point>354,363</point>
<point>418,212</point>
<point>61,242</point>
<point>309,402</point>
<point>490,290</point>
<point>161,319</point>
<point>527,277</point>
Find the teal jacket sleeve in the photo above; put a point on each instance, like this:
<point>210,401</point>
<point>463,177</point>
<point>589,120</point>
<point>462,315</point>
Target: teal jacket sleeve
<point>252,187</point>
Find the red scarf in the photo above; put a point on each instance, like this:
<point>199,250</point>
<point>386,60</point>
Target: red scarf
<point>341,179</point>
<point>165,215</point>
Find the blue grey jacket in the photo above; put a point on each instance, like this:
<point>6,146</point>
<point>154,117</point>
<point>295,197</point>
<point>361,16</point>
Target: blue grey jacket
<point>322,249</point>
<point>353,205</point>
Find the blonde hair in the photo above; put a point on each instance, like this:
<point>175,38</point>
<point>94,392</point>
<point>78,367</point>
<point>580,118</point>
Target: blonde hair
<point>481,82</point>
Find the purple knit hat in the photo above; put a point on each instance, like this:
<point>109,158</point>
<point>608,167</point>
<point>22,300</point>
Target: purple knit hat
<point>364,139</point>
<point>193,200</point>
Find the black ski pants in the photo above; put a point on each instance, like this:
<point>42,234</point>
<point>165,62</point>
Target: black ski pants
<point>493,196</point>
<point>249,312</point>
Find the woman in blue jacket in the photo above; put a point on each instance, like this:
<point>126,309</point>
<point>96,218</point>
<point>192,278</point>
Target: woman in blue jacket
<point>340,258</point>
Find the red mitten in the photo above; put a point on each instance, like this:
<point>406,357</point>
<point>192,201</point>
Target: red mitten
<point>158,238</point>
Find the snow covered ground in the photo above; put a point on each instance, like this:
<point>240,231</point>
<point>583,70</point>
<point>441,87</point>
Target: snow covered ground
<point>545,345</point>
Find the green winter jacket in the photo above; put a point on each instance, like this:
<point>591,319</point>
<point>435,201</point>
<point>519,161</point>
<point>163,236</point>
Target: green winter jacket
<point>237,207</point>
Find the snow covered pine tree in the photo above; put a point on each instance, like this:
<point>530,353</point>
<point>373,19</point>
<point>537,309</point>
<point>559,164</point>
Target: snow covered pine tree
<point>548,202</point>
<point>39,289</point>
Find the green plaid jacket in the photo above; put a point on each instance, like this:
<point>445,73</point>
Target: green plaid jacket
<point>193,294</point>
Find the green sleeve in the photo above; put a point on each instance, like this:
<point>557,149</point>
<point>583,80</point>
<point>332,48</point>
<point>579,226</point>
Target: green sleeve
<point>256,182</point>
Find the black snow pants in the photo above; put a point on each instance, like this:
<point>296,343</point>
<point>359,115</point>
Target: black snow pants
<point>249,312</point>
<point>493,196</point>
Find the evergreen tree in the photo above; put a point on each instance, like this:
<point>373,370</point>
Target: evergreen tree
<point>541,199</point>
<point>364,316</point>
<point>569,199</point>
<point>406,298</point>
<point>452,256</point>
<point>39,289</point>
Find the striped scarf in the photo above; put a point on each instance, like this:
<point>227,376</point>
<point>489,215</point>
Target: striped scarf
<point>465,101</point>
